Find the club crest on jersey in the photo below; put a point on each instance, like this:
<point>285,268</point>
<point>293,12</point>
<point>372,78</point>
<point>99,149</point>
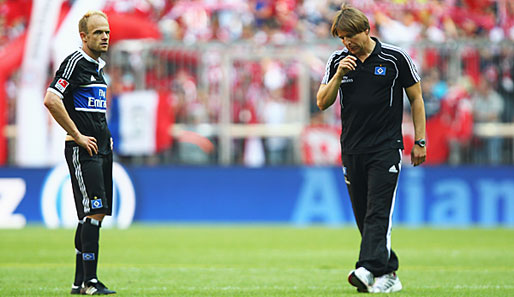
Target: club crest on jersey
<point>61,85</point>
<point>380,70</point>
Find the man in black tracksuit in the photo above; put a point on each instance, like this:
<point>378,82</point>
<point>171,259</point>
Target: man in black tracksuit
<point>370,78</point>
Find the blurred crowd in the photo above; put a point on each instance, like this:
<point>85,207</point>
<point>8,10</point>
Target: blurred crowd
<point>14,19</point>
<point>279,21</point>
<point>266,90</point>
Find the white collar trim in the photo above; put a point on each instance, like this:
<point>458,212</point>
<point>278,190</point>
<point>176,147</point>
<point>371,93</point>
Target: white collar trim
<point>100,62</point>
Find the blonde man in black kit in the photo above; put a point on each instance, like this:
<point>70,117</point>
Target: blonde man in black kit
<point>76,98</point>
<point>370,78</point>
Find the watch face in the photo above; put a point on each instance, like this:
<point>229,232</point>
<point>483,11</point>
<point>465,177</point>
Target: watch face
<point>420,142</point>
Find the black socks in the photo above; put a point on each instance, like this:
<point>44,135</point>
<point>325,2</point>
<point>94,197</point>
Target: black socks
<point>90,235</point>
<point>79,268</point>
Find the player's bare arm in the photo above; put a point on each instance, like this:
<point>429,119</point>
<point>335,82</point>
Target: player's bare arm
<point>327,93</point>
<point>418,153</point>
<point>59,113</point>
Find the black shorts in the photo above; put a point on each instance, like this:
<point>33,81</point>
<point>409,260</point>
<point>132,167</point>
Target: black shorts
<point>91,180</point>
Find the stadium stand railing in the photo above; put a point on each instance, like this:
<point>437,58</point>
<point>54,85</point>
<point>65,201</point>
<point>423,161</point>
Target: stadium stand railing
<point>244,98</point>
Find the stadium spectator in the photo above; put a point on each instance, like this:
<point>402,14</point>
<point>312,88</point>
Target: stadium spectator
<point>274,112</point>
<point>403,32</point>
<point>457,119</point>
<point>488,108</point>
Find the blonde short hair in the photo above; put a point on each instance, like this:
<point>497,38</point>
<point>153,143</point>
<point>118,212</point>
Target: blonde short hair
<point>83,21</point>
<point>350,20</point>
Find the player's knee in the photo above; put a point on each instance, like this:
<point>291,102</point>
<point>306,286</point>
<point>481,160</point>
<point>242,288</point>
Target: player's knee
<point>98,217</point>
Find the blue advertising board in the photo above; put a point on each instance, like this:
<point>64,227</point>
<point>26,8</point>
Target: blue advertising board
<point>435,196</point>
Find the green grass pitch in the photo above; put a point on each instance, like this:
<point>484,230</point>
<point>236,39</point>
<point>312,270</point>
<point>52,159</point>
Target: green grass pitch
<point>247,260</point>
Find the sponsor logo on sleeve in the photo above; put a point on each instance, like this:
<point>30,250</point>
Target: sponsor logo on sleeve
<point>61,85</point>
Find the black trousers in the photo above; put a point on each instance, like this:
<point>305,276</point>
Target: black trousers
<point>372,180</point>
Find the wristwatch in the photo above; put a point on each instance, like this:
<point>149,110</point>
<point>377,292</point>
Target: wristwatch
<point>422,142</point>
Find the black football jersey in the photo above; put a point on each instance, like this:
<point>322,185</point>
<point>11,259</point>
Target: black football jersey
<point>371,98</point>
<point>80,82</point>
